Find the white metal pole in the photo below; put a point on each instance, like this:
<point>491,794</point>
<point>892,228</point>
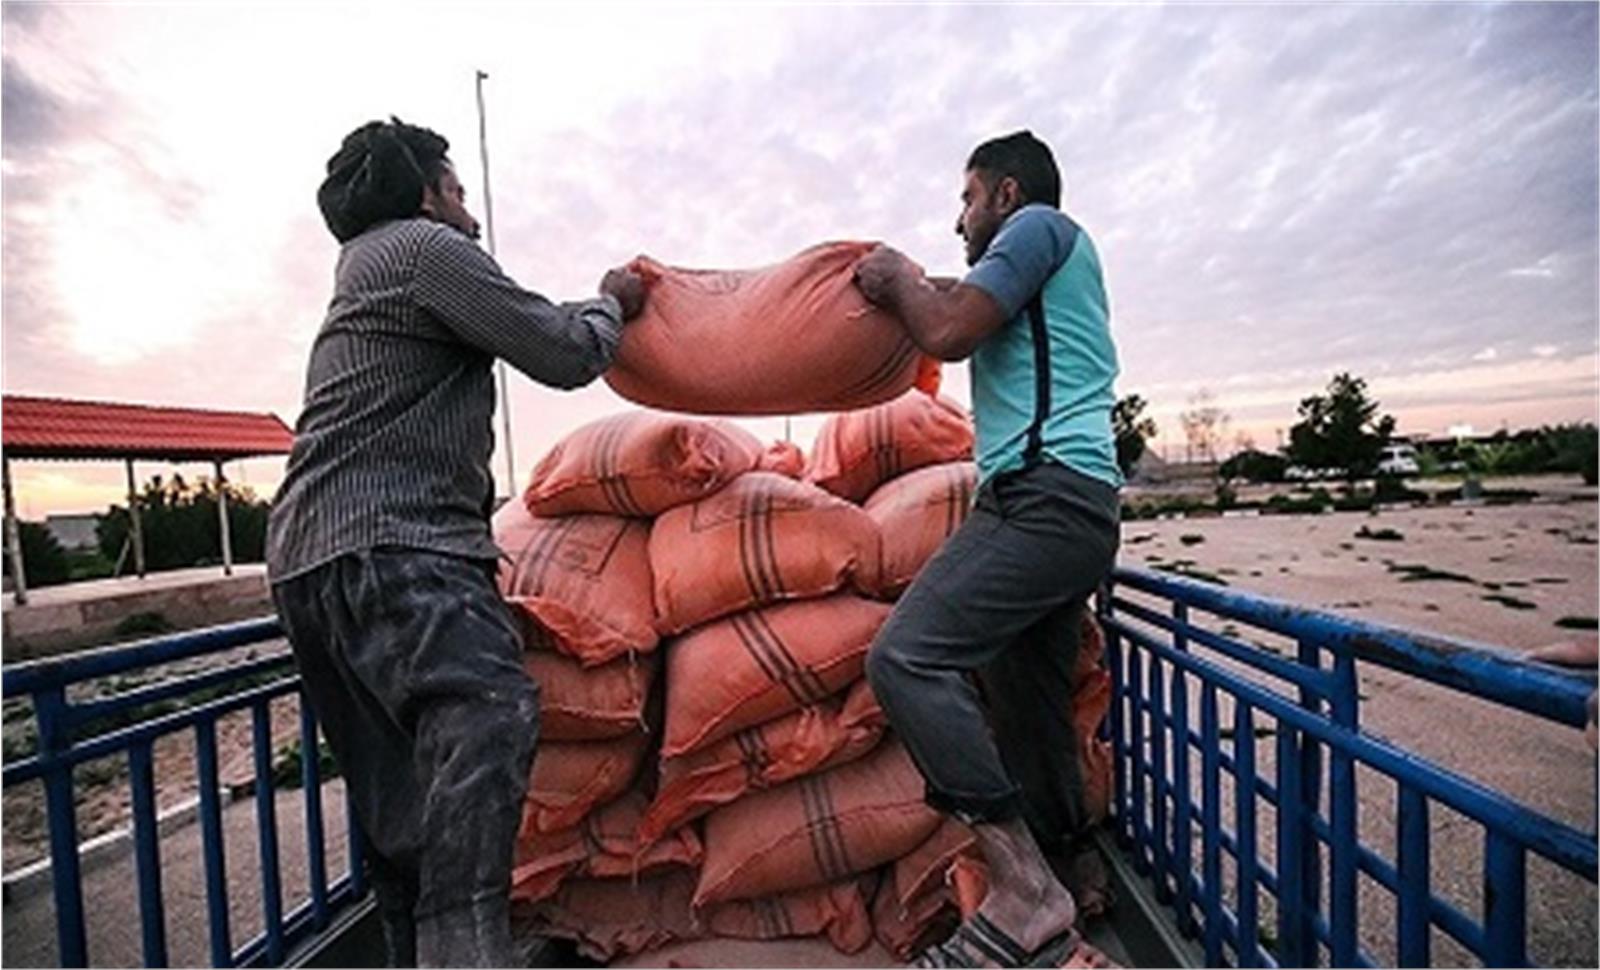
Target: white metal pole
<point>138,526</point>
<point>222,519</point>
<point>500,365</point>
<point>19,579</point>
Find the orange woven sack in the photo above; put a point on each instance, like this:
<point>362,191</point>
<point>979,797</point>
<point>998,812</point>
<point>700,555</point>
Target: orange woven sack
<point>817,829</point>
<point>569,779</point>
<point>923,869</point>
<point>785,339</point>
<point>1090,702</point>
<point>581,584</point>
<point>640,464</point>
<point>612,918</point>
<point>930,915</point>
<point>838,909</point>
<point>915,514</point>
<point>763,539</point>
<point>605,843</point>
<point>814,738</point>
<point>756,666</point>
<point>856,452</point>
<point>578,704</point>
<point>783,458</point>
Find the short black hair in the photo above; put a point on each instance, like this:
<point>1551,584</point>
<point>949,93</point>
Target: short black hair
<point>1024,158</point>
<point>378,174</point>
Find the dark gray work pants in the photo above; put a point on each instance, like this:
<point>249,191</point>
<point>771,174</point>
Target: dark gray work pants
<point>414,669</point>
<point>1001,600</point>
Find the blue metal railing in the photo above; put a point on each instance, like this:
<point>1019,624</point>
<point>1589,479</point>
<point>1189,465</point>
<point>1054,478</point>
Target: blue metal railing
<point>1159,657</point>
<point>72,732</point>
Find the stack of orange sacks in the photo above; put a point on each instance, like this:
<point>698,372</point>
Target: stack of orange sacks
<point>698,609</point>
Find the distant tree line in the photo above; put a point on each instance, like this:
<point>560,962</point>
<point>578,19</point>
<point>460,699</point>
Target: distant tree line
<point>180,525</point>
<point>1343,429</point>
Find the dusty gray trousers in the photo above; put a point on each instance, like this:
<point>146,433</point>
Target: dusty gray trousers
<point>414,669</point>
<point>1000,600</point>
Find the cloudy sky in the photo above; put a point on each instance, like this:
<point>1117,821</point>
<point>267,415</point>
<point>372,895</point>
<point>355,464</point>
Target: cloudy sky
<point>1408,191</point>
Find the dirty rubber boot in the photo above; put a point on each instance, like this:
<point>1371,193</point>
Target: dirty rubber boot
<point>477,935</point>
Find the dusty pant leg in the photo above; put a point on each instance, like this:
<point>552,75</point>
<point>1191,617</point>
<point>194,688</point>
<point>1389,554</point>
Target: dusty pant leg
<point>373,752</point>
<point>1029,694</point>
<point>395,888</point>
<point>1035,542</point>
<point>473,714</point>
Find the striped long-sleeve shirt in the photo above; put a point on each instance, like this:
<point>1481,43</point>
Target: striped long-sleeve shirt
<point>393,445</point>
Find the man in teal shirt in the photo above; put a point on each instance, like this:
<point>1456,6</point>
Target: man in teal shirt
<point>1002,596</point>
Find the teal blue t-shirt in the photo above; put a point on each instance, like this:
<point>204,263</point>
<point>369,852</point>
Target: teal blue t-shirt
<point>1038,247</point>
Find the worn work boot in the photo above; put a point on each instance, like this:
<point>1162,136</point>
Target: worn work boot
<point>477,935</point>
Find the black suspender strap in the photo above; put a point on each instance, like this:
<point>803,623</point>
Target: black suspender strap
<point>1034,452</point>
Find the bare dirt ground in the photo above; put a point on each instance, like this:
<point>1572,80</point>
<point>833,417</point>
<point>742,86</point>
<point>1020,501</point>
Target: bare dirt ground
<point>1516,576</point>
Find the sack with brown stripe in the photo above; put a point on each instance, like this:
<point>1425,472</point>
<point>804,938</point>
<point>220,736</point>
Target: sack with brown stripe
<point>605,843</point>
<point>814,738</point>
<point>763,539</point>
<point>856,452</point>
<point>569,779</point>
<point>640,464</point>
<point>838,909</point>
<point>580,585</point>
<point>816,829</point>
<point>785,339</point>
<point>762,664</point>
<point>915,514</point>
<point>589,704</point>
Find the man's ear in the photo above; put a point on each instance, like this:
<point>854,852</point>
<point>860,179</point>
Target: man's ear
<point>430,202</point>
<point>1008,195</point>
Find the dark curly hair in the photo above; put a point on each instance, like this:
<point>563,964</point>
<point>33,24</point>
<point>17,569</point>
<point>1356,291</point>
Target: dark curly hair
<point>378,174</point>
<point>1023,157</point>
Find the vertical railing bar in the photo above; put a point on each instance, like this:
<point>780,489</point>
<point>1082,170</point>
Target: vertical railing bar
<point>1244,774</point>
<point>1342,886</point>
<point>311,784</point>
<point>216,862</point>
<point>1309,810</point>
<point>147,854</point>
<point>1119,702</point>
<point>1412,862</point>
<point>1141,830</point>
<point>1505,902</point>
<point>1159,783</point>
<point>267,830</point>
<point>1293,948</point>
<point>1211,822</point>
<point>1183,812</point>
<point>55,739</point>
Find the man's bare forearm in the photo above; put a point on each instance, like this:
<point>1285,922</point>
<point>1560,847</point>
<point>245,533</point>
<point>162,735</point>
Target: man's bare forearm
<point>924,309</point>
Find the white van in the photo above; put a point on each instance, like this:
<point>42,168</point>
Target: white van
<point>1398,459</point>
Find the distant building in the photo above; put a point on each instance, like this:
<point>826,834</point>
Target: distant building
<point>74,532</point>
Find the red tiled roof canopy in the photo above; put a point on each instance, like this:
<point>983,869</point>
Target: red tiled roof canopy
<point>39,427</point>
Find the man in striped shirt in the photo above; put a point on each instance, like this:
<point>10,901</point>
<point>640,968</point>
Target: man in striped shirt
<point>379,548</point>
